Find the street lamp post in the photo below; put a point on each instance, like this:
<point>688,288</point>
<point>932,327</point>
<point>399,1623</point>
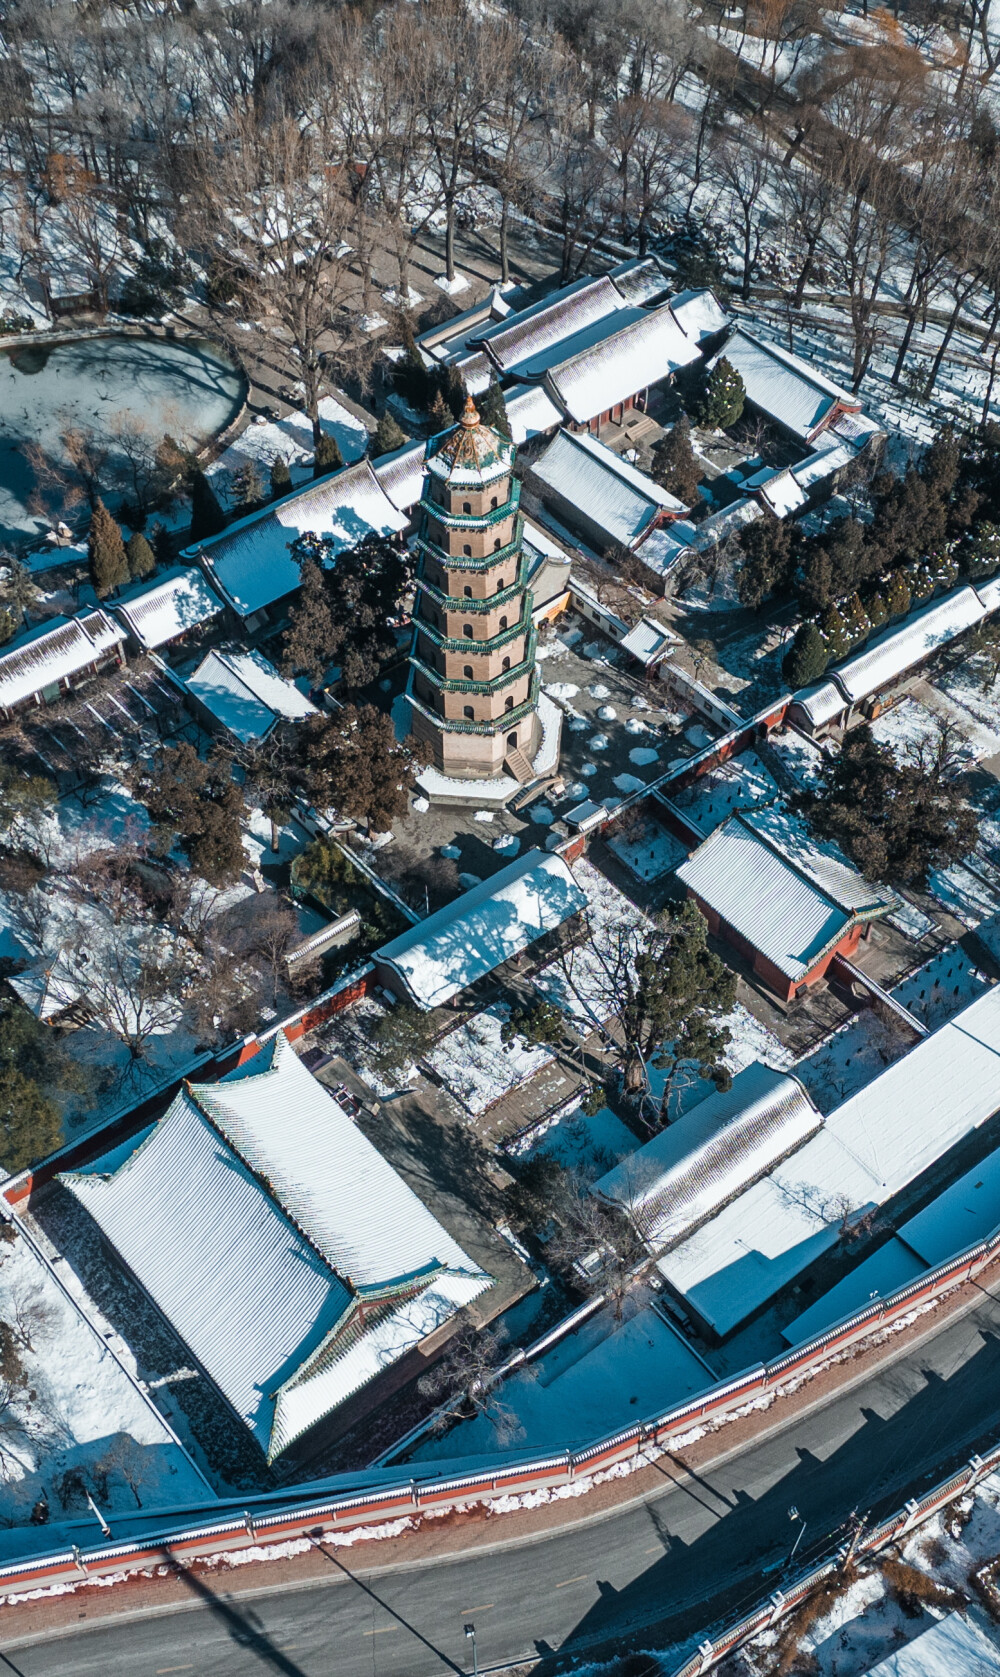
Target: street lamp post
<point>470,1632</point>
<point>793,1514</point>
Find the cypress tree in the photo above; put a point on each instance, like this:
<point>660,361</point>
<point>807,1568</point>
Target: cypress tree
<point>247,488</point>
<point>439,413</point>
<point>453,390</point>
<point>327,456</point>
<point>163,544</point>
<point>141,558</point>
<point>857,620</point>
<point>675,466</point>
<point>106,553</point>
<point>897,595</point>
<point>877,610</point>
<point>836,634</point>
<point>723,397</point>
<point>387,436</point>
<point>281,477</point>
<point>807,657</point>
<point>493,408</point>
<point>207,517</point>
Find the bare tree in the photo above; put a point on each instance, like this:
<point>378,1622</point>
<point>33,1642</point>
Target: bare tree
<point>468,1379</point>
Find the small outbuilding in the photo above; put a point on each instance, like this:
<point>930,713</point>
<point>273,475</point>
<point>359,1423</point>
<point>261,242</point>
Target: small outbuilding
<point>44,663</point>
<point>244,694</point>
<point>436,960</point>
<point>596,493</point>
<point>786,906</point>
<point>156,613</point>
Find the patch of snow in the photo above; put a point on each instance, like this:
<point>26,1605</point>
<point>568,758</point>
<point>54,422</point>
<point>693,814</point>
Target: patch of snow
<point>542,814</point>
<point>452,852</point>
<point>649,852</point>
<point>483,815</point>
<point>599,742</point>
<point>634,726</point>
<point>643,754</point>
<point>478,1068</point>
<point>421,805</point>
<point>588,769</point>
<point>509,843</point>
<point>468,880</point>
<point>627,783</point>
<point>599,691</point>
<point>606,713</point>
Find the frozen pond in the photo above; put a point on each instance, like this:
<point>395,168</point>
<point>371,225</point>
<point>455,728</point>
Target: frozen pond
<point>102,387</point>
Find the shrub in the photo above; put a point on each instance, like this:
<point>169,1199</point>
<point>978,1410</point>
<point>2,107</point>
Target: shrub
<point>807,657</point>
<point>723,397</point>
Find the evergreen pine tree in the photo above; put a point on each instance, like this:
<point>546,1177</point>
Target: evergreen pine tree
<point>327,456</point>
<point>163,545</point>
<point>439,414</point>
<point>246,488</point>
<point>207,517</point>
<point>493,408</point>
<point>836,634</point>
<point>981,552</point>
<point>281,477</point>
<point>106,552</point>
<point>387,436</point>
<point>309,642</point>
<point>807,657</point>
<point>857,620</point>
<point>141,558</point>
<point>897,595</point>
<point>453,390</point>
<point>723,397</point>
<point>675,467</point>
<point>876,609</point>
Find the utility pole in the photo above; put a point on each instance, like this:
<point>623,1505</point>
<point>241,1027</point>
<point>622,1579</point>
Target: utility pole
<point>470,1632</point>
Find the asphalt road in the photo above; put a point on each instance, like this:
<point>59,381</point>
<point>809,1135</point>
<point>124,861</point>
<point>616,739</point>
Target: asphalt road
<point>687,1552</point>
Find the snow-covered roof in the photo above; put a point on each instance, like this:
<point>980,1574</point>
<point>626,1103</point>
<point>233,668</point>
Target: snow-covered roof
<point>957,1646</point>
<point>869,1148</point>
<point>250,1275</point>
<point>700,1161</point>
<point>761,896</point>
<point>892,1266</point>
<point>244,692</point>
<point>609,492</point>
<point>699,314</point>
<point>989,593</point>
<point>448,951</point>
<point>640,280</point>
<point>157,612</point>
<point>250,561</point>
<point>966,1212</point>
<point>532,333</point>
<point>337,1188</point>
<point>664,546</point>
<point>648,640</point>
<point>782,386</point>
<point>779,490</point>
<point>719,526</point>
<point>53,651</point>
<point>897,650</point>
<point>640,348</point>
<point>442,340</point>
<point>530,412</point>
<point>822,463</point>
<point>825,865</point>
<point>228,1269</point>
<point>820,703</point>
<point>401,474</point>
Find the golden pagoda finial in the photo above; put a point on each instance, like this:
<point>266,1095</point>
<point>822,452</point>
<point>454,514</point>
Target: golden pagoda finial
<point>470,414</point>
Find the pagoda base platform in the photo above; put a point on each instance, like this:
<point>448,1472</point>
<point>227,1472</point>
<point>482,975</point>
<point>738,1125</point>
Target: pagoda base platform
<point>497,791</point>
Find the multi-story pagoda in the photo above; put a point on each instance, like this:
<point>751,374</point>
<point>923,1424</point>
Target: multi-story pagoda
<point>473,687</point>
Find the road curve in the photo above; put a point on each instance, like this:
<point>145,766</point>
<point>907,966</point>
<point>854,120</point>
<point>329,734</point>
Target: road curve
<point>697,1546</point>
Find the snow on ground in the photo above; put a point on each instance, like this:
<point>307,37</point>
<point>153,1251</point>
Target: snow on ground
<point>649,851</point>
<point>912,731</point>
<point>78,1422</point>
<point>347,1035</point>
<point>965,688</point>
<point>478,1068</point>
<point>724,791</point>
<point>605,1376</point>
<point>800,757</point>
<point>587,1144</point>
<point>862,1048</point>
<point>291,437</point>
<point>865,1623</point>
